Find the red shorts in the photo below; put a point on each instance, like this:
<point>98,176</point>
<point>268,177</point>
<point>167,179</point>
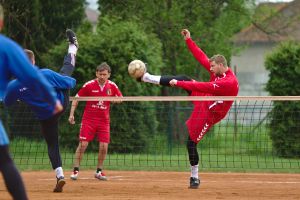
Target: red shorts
<point>200,122</point>
<point>89,129</point>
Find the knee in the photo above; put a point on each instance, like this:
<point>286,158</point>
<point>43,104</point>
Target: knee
<point>191,145</point>
<point>83,145</point>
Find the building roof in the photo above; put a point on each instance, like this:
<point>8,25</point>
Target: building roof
<point>284,24</point>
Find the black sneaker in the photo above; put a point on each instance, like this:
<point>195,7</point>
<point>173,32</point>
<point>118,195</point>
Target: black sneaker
<point>194,183</point>
<point>72,37</point>
<point>60,184</point>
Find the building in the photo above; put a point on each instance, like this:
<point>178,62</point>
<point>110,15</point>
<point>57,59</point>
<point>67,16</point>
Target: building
<point>92,16</point>
<point>258,40</point>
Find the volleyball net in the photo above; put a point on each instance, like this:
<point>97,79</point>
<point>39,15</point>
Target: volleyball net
<point>258,133</point>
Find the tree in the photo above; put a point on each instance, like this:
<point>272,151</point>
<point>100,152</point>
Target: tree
<point>212,24</point>
<point>38,25</point>
<point>284,66</point>
<point>116,42</point>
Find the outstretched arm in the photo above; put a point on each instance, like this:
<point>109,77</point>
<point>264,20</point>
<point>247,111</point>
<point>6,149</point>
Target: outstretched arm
<point>195,50</point>
<point>59,81</point>
<point>29,76</point>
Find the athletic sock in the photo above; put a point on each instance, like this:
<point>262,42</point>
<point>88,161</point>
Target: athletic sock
<point>59,172</point>
<point>72,49</point>
<point>148,78</point>
<point>194,171</point>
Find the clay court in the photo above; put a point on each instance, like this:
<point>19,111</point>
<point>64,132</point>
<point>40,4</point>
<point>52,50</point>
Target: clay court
<point>162,185</point>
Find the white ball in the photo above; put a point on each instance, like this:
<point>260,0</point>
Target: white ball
<point>136,68</point>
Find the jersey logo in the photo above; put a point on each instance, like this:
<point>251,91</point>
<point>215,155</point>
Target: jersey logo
<point>23,89</point>
<point>108,92</point>
<point>215,85</point>
<point>100,105</point>
<point>95,90</point>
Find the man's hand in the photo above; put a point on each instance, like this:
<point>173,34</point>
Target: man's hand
<point>71,119</point>
<point>173,82</point>
<point>58,107</point>
<point>186,34</point>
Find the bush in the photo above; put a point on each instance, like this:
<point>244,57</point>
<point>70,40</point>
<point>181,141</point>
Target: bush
<point>284,66</point>
<point>116,42</point>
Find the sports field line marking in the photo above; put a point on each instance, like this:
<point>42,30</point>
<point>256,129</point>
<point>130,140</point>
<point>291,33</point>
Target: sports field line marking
<point>83,178</point>
<point>123,178</point>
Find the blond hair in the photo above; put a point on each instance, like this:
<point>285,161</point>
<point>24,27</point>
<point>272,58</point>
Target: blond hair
<point>219,59</point>
<point>30,55</point>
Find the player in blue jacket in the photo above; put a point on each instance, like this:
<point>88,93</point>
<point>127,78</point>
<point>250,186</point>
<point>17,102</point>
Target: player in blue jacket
<point>14,63</point>
<point>61,82</point>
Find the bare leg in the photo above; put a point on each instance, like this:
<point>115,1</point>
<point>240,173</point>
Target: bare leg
<point>103,148</point>
<point>79,152</point>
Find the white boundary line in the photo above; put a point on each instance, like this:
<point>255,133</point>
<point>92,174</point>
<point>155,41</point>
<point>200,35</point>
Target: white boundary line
<point>122,178</point>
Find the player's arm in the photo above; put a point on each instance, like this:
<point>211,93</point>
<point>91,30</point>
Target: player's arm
<point>29,76</point>
<point>72,111</point>
<point>117,94</point>
<point>57,80</point>
<point>12,91</point>
<point>195,50</point>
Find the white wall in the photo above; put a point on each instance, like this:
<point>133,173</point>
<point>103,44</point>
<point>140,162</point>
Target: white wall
<point>251,72</point>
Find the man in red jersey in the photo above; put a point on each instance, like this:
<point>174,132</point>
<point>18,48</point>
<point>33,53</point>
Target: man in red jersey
<point>96,118</point>
<point>222,82</point>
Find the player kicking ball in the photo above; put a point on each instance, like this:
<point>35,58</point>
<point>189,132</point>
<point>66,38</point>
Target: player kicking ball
<point>223,82</point>
<point>61,82</point>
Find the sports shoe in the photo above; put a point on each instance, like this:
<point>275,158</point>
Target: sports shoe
<point>74,175</point>
<point>72,37</point>
<point>101,176</point>
<point>194,183</point>
<point>59,184</point>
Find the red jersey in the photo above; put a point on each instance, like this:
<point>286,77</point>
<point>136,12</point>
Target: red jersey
<point>98,110</point>
<point>209,112</point>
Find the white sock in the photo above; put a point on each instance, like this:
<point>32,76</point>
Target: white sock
<point>59,172</point>
<point>194,171</point>
<point>72,49</point>
<point>151,78</point>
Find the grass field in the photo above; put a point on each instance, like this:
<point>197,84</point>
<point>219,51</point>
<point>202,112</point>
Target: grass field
<point>216,154</point>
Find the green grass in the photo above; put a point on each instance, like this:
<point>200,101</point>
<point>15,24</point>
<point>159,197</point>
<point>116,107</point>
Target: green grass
<point>219,152</point>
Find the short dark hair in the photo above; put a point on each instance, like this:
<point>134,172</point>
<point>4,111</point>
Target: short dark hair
<point>103,66</point>
<point>219,59</point>
<point>30,54</point>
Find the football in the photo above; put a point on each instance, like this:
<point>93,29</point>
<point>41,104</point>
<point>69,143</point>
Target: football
<point>136,68</point>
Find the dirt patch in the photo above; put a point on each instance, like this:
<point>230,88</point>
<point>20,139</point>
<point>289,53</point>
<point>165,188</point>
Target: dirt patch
<point>161,185</point>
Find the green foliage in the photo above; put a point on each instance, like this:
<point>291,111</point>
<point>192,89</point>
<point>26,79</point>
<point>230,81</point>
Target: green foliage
<point>40,24</point>
<point>117,43</point>
<point>284,64</point>
<point>212,24</point>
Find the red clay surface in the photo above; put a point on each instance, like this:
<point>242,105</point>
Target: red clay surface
<point>161,185</point>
